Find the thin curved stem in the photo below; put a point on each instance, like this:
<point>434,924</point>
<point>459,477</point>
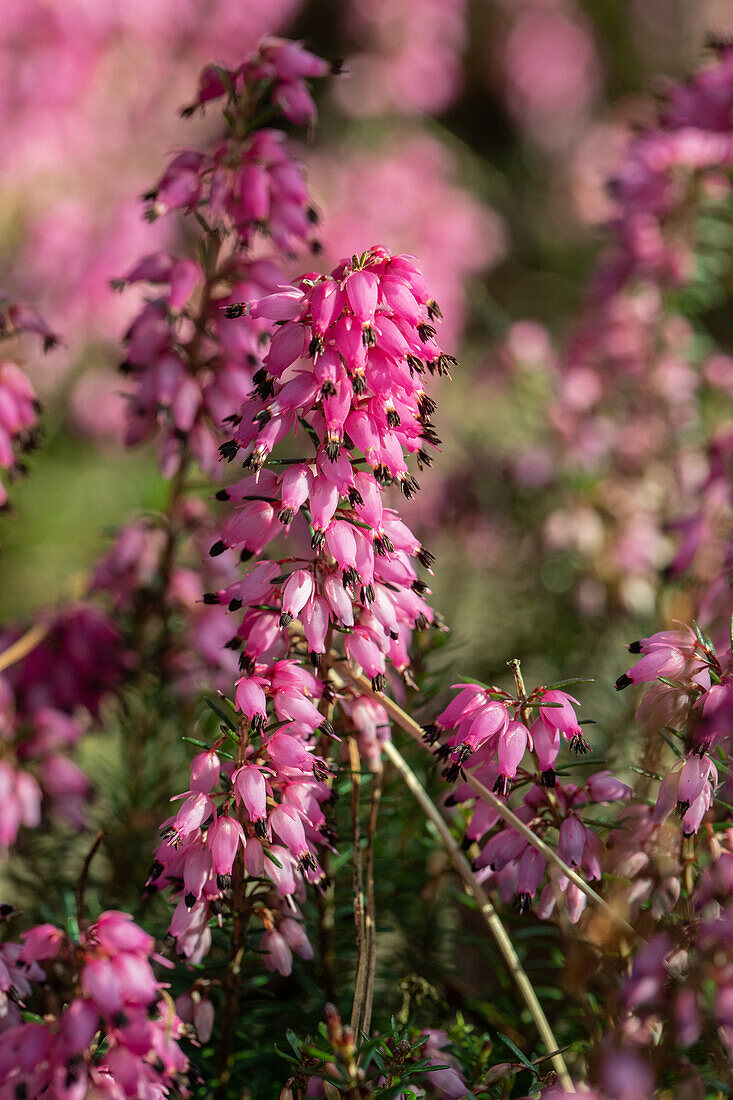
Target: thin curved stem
<point>23,646</point>
<point>370,916</point>
<point>489,914</point>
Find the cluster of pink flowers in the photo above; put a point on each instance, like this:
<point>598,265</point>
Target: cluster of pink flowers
<point>279,70</point>
<point>490,745</point>
<point>635,383</point>
<point>226,812</point>
<point>47,700</point>
<point>103,986</point>
<point>491,737</point>
<point>348,363</point>
<point>135,578</point>
<point>19,405</point>
<point>678,991</point>
<point>690,695</point>
<point>187,379</point>
<point>191,368</point>
<point>687,151</point>
<point>510,864</point>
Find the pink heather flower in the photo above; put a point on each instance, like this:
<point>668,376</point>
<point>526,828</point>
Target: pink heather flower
<point>118,1000</point>
<point>561,716</point>
<point>223,837</point>
<point>252,789</point>
<point>449,1081</point>
<point>625,1075</point>
<point>276,953</point>
<point>689,791</point>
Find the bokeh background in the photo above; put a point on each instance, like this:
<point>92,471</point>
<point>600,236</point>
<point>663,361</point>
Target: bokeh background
<point>479,136</point>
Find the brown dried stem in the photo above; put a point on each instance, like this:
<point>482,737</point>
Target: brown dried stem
<point>409,725</point>
<point>360,983</point>
<point>489,914</point>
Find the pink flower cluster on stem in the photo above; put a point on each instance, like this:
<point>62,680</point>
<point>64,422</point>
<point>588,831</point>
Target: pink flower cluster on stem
<point>347,370</point>
<point>110,1028</point>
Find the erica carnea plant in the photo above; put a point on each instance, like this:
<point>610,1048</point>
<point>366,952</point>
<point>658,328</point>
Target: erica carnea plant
<point>292,412</point>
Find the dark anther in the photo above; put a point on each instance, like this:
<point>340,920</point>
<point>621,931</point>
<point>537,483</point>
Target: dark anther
<point>579,745</point>
<point>502,786</point>
<point>358,382</point>
<point>217,549</point>
<point>156,870</point>
<point>308,860</point>
<point>211,597</point>
<point>409,486</point>
<point>444,364</point>
<point>236,309</point>
<point>425,557</point>
<point>316,346</point>
<point>431,734</point>
<point>623,682</point>
<point>229,450</point>
<point>426,405</point>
